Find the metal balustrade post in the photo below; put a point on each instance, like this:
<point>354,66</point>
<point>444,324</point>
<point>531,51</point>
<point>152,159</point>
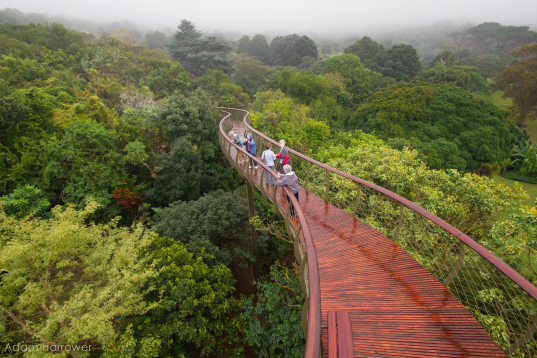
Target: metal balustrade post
<point>253,233</point>
<point>229,153</point>
<point>457,267</point>
<point>237,165</point>
<point>261,186</point>
<point>327,185</point>
<point>401,217</point>
<point>297,246</point>
<point>307,175</point>
<point>287,211</point>
<point>357,203</point>
<point>275,203</point>
<point>523,338</point>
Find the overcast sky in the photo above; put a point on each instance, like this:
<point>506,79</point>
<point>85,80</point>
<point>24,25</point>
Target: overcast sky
<point>289,16</point>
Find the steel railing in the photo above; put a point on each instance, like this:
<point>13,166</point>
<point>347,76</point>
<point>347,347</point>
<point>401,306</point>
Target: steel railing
<point>296,225</point>
<point>503,301</point>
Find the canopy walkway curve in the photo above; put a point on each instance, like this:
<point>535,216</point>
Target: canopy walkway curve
<point>384,277</point>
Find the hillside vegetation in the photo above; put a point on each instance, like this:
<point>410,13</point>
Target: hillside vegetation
<point>124,228</point>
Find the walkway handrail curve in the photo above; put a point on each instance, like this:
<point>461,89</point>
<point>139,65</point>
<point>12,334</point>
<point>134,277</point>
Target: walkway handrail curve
<point>313,331</point>
<point>523,335</point>
<point>487,255</point>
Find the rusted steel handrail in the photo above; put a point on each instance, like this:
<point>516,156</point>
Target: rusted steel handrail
<point>466,272</point>
<point>487,255</point>
<point>313,331</point>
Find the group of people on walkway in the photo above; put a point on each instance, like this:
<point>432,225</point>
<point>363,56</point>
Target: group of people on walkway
<point>287,175</point>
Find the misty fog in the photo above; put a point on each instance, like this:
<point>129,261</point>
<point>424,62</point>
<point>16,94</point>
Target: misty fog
<point>340,18</point>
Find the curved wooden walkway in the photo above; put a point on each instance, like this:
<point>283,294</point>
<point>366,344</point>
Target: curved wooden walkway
<point>397,308</point>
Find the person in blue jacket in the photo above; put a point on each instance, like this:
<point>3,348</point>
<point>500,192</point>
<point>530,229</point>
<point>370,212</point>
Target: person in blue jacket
<point>250,148</point>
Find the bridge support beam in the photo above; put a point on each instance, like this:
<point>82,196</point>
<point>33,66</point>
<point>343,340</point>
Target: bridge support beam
<point>253,233</point>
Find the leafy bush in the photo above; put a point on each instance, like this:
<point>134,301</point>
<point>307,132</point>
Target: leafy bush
<point>74,170</point>
<point>191,162</point>
<point>519,177</point>
<point>24,201</point>
<point>432,117</point>
<point>516,235</point>
<point>65,281</point>
<point>216,223</point>
<point>193,309</point>
<point>274,324</point>
<point>467,201</point>
<point>282,118</point>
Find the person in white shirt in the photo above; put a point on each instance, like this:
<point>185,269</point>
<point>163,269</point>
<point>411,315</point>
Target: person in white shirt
<point>268,158</point>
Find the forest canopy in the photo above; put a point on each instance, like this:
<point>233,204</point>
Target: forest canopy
<point>124,227</point>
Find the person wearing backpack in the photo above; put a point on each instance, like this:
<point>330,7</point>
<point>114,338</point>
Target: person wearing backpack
<point>250,148</point>
<point>268,158</point>
<point>238,141</point>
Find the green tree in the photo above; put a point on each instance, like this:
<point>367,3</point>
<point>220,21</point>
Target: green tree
<point>481,131</point>
<point>64,282</point>
<point>223,90</point>
<point>194,310</point>
<point>26,121</point>
<point>303,85</point>
<point>460,76</point>
<point>361,82</point>
<point>197,54</point>
<point>467,201</point>
<point>52,36</point>
<point>400,62</point>
<point>21,72</point>
<point>242,46</point>
<point>447,57</point>
<point>86,162</point>
<point>291,49</point>
<point>492,37</point>
<point>257,47</point>
<point>279,116</point>
<point>251,75</point>
<point>366,49</point>
<point>523,159</point>
<point>325,95</point>
<point>220,220</point>
<point>327,48</point>
<point>24,201</point>
<point>155,40</point>
<point>274,324</point>
<point>518,81</point>
<point>192,162</point>
<point>515,239</point>
<point>166,79</point>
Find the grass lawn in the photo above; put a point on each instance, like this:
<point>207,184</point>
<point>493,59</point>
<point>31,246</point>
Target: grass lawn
<point>532,192</point>
<point>532,130</point>
<point>530,188</point>
<point>496,99</point>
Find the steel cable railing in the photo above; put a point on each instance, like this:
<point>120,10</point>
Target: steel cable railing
<point>503,301</point>
<point>296,225</point>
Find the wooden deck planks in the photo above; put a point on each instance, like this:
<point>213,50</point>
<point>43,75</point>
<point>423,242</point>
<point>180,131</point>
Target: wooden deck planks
<point>396,307</point>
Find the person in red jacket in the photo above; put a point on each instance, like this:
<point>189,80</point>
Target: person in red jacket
<point>283,156</point>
